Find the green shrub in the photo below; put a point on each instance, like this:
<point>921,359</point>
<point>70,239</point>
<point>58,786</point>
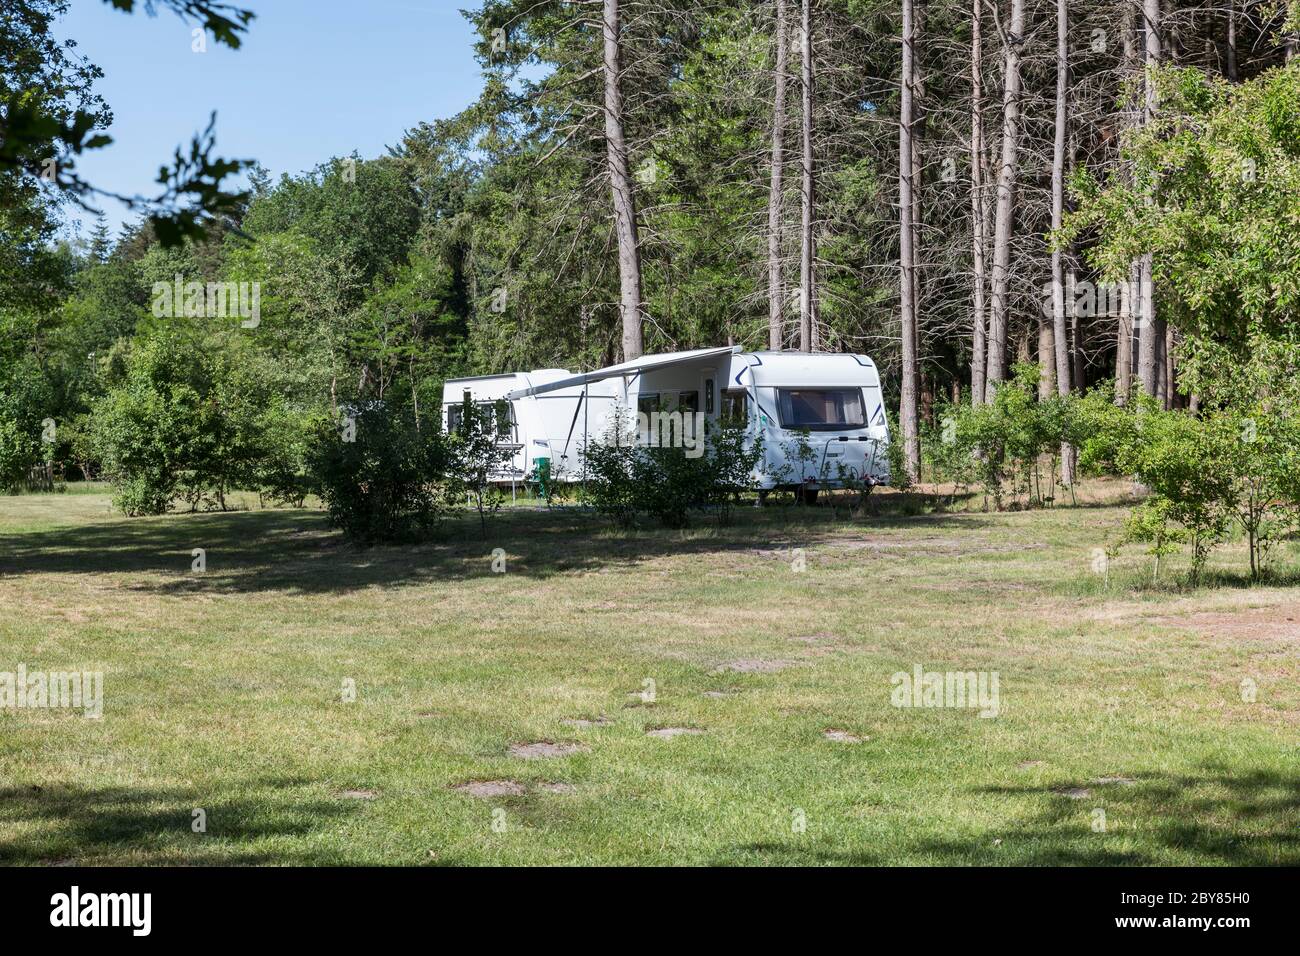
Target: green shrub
<point>24,396</point>
<point>1001,445</point>
<point>381,477</point>
<point>625,480</point>
<point>193,418</point>
<point>476,457</point>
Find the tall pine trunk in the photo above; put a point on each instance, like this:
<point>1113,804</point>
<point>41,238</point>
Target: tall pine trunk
<point>1230,68</point>
<point>907,413</point>
<point>978,317</point>
<point>620,184</point>
<point>807,253</point>
<point>1060,334</point>
<point>775,284</point>
<point>1124,343</point>
<point>1150,335</point>
<point>1007,167</point>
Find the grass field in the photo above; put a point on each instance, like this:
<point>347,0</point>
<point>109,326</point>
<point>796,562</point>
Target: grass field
<point>224,691</point>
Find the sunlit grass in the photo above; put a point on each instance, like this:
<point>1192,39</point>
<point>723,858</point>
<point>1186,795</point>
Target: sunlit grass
<point>224,691</point>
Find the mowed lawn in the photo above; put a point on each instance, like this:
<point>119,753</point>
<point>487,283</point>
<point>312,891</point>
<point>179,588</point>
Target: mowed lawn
<point>1123,735</point>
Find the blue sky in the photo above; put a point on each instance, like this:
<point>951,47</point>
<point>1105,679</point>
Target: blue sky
<point>313,79</point>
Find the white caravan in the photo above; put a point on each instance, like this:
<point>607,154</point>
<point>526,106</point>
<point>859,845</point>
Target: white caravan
<point>821,416</point>
<point>549,427</point>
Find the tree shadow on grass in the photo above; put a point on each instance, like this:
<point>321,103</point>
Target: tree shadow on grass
<point>80,825</point>
<point>297,551</point>
<point>1214,817</point>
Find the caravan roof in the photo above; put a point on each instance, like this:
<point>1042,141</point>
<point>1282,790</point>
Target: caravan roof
<point>645,363</point>
<point>788,369</point>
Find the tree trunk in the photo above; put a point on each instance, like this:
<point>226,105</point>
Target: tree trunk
<point>775,285</point>
<point>907,412</point>
<point>978,319</point>
<point>1149,335</point>
<point>808,293</point>
<point>620,182</point>
<point>1062,357</point>
<point>1167,379</point>
<point>1124,345</point>
<point>997,358</point>
<point>1046,358</point>
<point>1147,338</point>
<point>1230,69</point>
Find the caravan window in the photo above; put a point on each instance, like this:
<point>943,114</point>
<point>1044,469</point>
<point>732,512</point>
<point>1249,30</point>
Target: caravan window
<point>505,416</point>
<point>734,406</point>
<point>646,405</point>
<point>822,408</point>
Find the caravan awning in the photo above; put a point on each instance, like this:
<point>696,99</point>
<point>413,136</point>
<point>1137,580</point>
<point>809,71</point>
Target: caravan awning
<point>645,363</point>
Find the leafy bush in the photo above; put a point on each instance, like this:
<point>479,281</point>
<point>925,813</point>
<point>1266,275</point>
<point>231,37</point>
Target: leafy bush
<point>1237,462</point>
<point>1001,445</point>
<point>282,471</point>
<point>380,476</point>
<point>625,479</point>
<point>23,398</point>
<point>476,457</point>
<point>190,418</point>
<point>1251,398</point>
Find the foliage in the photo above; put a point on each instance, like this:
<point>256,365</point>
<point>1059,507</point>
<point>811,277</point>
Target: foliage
<point>49,116</point>
<point>1252,397</point>
<point>1222,162</point>
<point>380,476</point>
<point>193,418</point>
<point>24,396</point>
<point>477,456</point>
<point>1236,462</point>
<point>1001,445</point>
<point>626,479</point>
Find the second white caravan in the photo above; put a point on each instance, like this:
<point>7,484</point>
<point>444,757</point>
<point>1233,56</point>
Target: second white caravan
<point>821,416</point>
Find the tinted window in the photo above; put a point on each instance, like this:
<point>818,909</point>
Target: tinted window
<point>734,407</point>
<point>505,418</point>
<point>822,408</point>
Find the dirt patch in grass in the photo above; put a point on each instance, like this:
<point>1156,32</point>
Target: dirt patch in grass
<point>720,694</point>
<point>754,665</point>
<point>1269,625</point>
<point>584,723</point>
<point>557,787</point>
<point>542,749</point>
<point>1074,793</point>
<point>668,733</point>
<point>814,640</point>
<point>1107,781</point>
<point>492,788</point>
<point>1028,764</point>
<point>359,794</point>
<point>842,736</point>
